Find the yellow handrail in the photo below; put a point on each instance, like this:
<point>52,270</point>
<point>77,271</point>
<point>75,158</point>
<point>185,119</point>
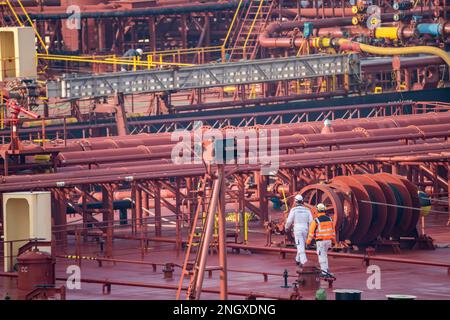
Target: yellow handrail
<point>253,24</point>
<point>232,24</point>
<point>285,200</point>
<point>33,26</point>
<point>29,20</point>
<point>187,50</point>
<point>113,61</point>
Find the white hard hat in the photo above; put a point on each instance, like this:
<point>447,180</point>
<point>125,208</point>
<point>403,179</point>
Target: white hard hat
<point>140,51</point>
<point>299,198</point>
<point>327,122</point>
<point>321,207</point>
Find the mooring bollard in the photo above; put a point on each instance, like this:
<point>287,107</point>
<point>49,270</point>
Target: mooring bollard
<point>168,271</point>
<point>286,278</point>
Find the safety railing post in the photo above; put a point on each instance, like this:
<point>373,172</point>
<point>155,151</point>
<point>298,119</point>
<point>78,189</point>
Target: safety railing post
<point>246,217</point>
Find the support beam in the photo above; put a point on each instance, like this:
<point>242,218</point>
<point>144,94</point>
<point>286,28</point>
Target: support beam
<point>158,224</point>
<point>121,115</point>
<point>222,236</point>
<point>108,218</point>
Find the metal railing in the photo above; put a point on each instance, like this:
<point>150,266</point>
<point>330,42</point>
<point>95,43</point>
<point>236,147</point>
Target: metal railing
<point>170,58</point>
<point>135,63</point>
<point>154,59</point>
<point>7,247</point>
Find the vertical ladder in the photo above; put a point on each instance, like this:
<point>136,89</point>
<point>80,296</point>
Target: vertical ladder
<point>252,22</point>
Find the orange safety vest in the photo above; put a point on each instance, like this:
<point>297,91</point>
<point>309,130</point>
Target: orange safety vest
<point>322,228</point>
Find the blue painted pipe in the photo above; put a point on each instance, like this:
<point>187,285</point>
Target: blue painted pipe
<point>434,29</point>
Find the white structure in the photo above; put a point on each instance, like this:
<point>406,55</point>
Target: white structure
<point>26,215</point>
<point>17,53</point>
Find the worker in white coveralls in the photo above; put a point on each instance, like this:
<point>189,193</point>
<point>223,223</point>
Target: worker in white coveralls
<point>301,218</point>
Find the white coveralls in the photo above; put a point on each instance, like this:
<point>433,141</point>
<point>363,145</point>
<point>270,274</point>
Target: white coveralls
<point>322,253</point>
<point>301,217</point>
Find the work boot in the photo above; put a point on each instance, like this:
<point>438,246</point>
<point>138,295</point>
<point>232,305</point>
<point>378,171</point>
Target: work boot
<point>326,274</point>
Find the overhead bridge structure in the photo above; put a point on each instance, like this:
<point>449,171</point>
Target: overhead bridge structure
<point>204,76</point>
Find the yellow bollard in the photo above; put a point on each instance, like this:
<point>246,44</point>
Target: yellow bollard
<point>246,217</point>
<point>285,200</point>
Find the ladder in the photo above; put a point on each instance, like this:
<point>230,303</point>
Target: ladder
<point>196,229</point>
<point>244,44</point>
<point>196,269</point>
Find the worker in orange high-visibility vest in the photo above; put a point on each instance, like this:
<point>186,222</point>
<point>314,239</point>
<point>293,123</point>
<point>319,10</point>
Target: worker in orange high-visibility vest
<point>322,230</point>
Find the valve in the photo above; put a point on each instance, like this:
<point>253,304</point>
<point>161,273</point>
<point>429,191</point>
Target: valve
<point>399,16</point>
<point>361,6</point>
<point>16,109</point>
